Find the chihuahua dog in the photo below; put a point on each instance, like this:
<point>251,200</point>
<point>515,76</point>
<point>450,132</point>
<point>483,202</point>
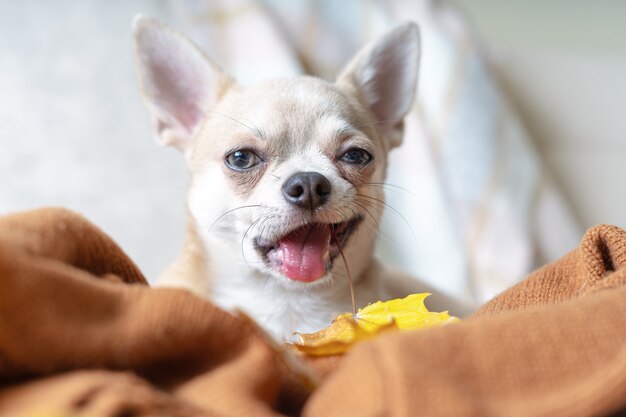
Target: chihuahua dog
<point>286,177</point>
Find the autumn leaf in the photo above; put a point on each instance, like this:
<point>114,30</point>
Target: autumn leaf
<point>348,329</point>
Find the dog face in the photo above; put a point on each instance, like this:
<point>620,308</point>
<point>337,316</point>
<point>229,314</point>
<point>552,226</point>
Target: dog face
<point>290,172</point>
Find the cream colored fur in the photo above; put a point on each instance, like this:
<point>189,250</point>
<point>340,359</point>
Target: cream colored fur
<point>299,124</point>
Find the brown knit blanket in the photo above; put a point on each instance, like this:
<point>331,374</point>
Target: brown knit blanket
<point>82,334</point>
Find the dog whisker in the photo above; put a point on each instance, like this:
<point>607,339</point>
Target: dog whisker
<point>369,213</point>
<point>378,122</point>
<point>391,187</point>
<point>384,204</point>
<point>243,254</point>
<point>230,211</point>
<point>255,129</point>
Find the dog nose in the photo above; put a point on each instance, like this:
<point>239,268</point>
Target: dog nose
<point>308,190</point>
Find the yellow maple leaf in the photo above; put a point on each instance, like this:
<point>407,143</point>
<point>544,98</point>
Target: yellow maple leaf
<point>347,329</point>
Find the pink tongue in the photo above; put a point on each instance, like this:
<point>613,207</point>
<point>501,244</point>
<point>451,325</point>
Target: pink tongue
<point>305,252</point>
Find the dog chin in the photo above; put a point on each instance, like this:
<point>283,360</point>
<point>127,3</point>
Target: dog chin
<point>291,284</point>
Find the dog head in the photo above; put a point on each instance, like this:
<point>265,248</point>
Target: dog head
<point>290,172</point>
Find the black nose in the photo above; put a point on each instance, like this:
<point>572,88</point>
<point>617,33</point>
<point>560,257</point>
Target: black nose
<point>308,190</point>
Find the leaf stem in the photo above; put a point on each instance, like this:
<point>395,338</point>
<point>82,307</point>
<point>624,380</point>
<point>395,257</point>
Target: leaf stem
<point>348,274</point>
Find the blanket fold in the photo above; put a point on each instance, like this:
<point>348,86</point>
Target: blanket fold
<point>82,334</point>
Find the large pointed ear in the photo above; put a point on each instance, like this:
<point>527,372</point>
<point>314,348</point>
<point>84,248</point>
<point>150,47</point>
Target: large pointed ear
<point>383,75</point>
<point>178,81</point>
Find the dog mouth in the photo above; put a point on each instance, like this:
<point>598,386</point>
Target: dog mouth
<point>306,254</point>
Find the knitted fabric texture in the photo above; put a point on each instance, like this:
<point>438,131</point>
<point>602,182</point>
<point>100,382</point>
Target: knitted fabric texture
<point>82,334</point>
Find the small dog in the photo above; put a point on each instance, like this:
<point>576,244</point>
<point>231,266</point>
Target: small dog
<point>285,176</point>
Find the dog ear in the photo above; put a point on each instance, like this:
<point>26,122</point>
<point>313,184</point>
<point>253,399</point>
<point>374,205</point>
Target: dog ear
<point>383,75</point>
<point>178,81</point>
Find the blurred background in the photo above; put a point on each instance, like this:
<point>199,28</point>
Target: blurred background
<point>517,143</point>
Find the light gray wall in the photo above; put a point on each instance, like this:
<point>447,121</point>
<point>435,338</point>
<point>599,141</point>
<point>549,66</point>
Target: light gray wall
<point>73,130</point>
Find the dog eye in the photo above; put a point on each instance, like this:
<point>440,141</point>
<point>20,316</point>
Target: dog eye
<point>242,159</point>
<point>356,157</point>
